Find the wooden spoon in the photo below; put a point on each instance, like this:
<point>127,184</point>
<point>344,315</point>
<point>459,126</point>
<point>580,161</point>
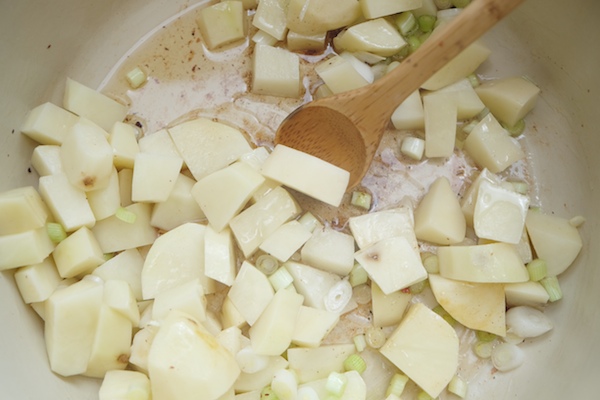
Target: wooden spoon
<point>345,129</point>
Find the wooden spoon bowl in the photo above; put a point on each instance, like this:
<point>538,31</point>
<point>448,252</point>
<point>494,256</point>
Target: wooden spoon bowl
<point>345,129</point>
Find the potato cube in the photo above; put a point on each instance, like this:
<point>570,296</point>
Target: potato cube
<point>312,283</point>
<point>250,293</point>
<point>388,309</point>
<point>380,8</point>
<point>440,112</point>
<point>78,254</point>
<point>262,37</point>
<point>188,297</point>
<point>222,194</point>
<point>124,144</point>
<point>307,174</point>
<point>468,104</point>
<point>219,257</point>
<point>491,146</point>
<point>315,16</point>
<point>105,202</point>
<point>373,227</point>
<point>123,385</point>
<point>21,210</point>
<point>158,142</point>
<point>509,99</point>
<point>222,23</point>
<point>125,181</point>
<point>46,160</point>
<point>438,217</point>
<point>38,281</point>
<point>116,235</point>
<point>409,114</point>
<point>154,177</point>
<point>312,325</point>
<point>329,250</point>
<point>316,363</point>
<point>302,42</point>
<point>276,72</point>
<point>25,248</point>
<point>340,75</point>
<point>125,266</point>
<point>528,293</point>
<point>230,315</point>
<point>48,124</point>
<point>270,17</point>
<point>286,240</point>
<point>179,208</point>
<point>93,105</point>
<point>413,147</point>
<point>469,198</point>
<point>119,296</point>
<point>248,382</point>
<point>376,36</point>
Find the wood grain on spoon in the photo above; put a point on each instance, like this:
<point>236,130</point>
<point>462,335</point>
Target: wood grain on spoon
<point>345,129</point>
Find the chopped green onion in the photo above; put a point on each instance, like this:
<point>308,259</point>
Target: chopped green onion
<point>360,342</point>
<point>474,80</point>
<point>307,393</point>
<point>336,383</point>
<point>361,199</point>
<point>460,3</point>
<point>577,221</point>
<point>267,264</point>
<point>338,296</point>
<point>467,128</point>
<point>482,114</point>
<point>426,22</point>
<point>354,362</point>
<point>309,221</point>
<point>285,384</point>
<point>362,294</point>
<point>375,337</point>
<point>418,287</point>
<point>423,395</point>
<point>520,187</point>
<point>550,283</point>
<point>512,338</point>
<point>358,275</point>
<point>506,356</point>
<point>516,129</point>
<point>281,278</point>
<point>430,262</point>
<point>458,386</point>
<point>56,232</point>
<point>406,23</point>
<point>444,314</point>
<point>136,77</point>
<point>413,43</point>
<point>268,394</point>
<point>483,349</point>
<point>397,384</point>
<point>125,215</point>
<point>108,256</point>
<point>537,270</point>
<point>443,4</point>
<point>484,336</point>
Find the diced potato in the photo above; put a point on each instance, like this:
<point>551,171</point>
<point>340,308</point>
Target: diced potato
<point>316,363</point>
<point>230,315</point>
<point>329,250</point>
<point>222,23</point>
<point>493,263</point>
<point>312,283</point>
<point>86,156</point>
<point>363,69</point>
<point>312,325</point>
<point>258,380</point>
<point>222,194</point>
<point>112,341</point>
<point>255,157</point>
<point>275,72</point>
<point>467,101</point>
<point>491,146</point>
<point>219,256</point>
<point>376,36</point>
<point>392,263</point>
<point>125,385</point>
<point>48,124</point>
<point>175,257</point>
<point>257,222</point>
<point>68,204</point>
<point>179,208</point>
<point>528,293</point>
<point>105,202</point>
<point>92,105</point>
<point>307,174</point>
<point>78,254</point>
<point>21,210</point>
<point>380,8</point>
<point>154,177</point>
<point>250,293</point>
<point>119,296</point>
<point>261,37</point>
<point>125,181</point>
<point>125,266</point>
<point>315,16</point>
<point>46,160</point>
<point>302,42</point>
<point>159,142</point>
<point>185,360</point>
<point>124,144</point>
<point>478,306</point>
<point>509,99</point>
<point>116,235</point>
<point>462,65</point>
<point>438,217</point>
<point>207,146</point>
<point>469,198</point>
<point>286,240</point>
<point>71,320</point>
<point>409,114</point>
<point>340,75</point>
<point>270,17</point>
<point>272,332</point>
<point>425,348</point>
<point>554,239</point>
<point>38,281</point>
<point>25,248</point>
<point>142,341</point>
<point>188,297</point>
<point>388,309</point>
<point>500,213</point>
<point>440,112</point>
<point>373,227</point>
<point>252,395</point>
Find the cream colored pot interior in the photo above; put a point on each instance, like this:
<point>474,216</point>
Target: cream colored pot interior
<point>552,41</point>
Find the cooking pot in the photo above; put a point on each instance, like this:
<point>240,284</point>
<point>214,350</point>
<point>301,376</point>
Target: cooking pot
<point>552,42</point>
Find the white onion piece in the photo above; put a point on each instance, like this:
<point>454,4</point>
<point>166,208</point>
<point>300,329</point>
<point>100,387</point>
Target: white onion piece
<point>338,296</point>
<point>307,393</point>
<point>250,362</point>
<point>285,385</point>
<point>527,322</point>
<point>506,356</point>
